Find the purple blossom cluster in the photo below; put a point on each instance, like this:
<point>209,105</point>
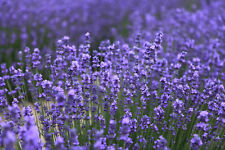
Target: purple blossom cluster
<point>197,30</point>
<point>40,23</point>
<point>130,98</point>
<point>160,88</point>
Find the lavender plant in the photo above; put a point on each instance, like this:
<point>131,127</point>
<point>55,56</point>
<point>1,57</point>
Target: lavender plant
<point>40,23</point>
<point>130,98</point>
<point>161,87</point>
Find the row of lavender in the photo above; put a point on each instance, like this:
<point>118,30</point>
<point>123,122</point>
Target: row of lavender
<point>40,23</point>
<point>129,98</point>
<point>164,94</point>
<point>201,31</point>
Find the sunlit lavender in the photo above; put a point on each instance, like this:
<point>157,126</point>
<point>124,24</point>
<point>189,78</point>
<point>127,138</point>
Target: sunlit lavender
<point>112,75</point>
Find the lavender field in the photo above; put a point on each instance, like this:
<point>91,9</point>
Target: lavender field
<point>112,75</point>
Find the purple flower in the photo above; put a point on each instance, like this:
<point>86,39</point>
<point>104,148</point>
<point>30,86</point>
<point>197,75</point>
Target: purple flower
<point>59,143</point>
<point>113,108</point>
<point>29,134</point>
<point>8,140</point>
<point>36,58</point>
<point>100,144</point>
<point>60,99</point>
<point>203,116</point>
<point>202,126</point>
<point>145,122</point>
<point>112,127</point>
<point>27,111</point>
<point>158,113</point>
<point>46,84</point>
<point>196,142</point>
<point>178,106</point>
<point>160,144</point>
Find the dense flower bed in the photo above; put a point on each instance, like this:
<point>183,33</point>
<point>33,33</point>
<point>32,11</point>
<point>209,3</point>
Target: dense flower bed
<point>128,98</point>
<point>161,87</point>
<point>40,23</point>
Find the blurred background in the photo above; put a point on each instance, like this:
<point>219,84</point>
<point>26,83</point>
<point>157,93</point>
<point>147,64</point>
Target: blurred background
<point>40,23</point>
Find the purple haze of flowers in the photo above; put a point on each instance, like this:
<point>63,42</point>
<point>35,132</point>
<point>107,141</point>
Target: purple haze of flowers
<point>147,90</point>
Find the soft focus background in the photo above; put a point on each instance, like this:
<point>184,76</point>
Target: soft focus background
<point>40,23</point>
